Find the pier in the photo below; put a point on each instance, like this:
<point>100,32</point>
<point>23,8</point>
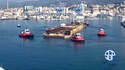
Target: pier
<point>65,30</point>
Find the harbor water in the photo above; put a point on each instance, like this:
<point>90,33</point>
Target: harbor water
<point>42,53</point>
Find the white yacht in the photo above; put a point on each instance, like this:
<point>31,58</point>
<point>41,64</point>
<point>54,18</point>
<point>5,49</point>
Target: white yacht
<point>123,21</point>
<point>123,18</point>
<point>1,68</point>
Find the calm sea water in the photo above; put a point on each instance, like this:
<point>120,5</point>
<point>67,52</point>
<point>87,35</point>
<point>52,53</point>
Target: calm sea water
<point>61,54</point>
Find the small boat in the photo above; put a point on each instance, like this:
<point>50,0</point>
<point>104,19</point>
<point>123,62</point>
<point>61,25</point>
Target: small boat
<point>123,21</point>
<point>1,68</point>
<point>18,25</point>
<point>26,33</point>
<point>101,32</point>
<point>78,38</point>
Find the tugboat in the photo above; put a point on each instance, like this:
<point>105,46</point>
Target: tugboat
<point>78,38</point>
<point>18,25</point>
<point>26,33</point>
<point>86,23</point>
<point>101,32</point>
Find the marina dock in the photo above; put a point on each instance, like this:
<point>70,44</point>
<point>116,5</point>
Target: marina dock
<point>65,30</point>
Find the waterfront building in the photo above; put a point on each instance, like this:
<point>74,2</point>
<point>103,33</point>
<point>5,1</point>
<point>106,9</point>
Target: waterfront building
<point>7,7</point>
<point>27,8</point>
<point>95,10</point>
<point>61,12</point>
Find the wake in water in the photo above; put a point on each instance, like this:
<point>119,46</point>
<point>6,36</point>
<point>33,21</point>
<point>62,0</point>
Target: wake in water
<point>104,26</point>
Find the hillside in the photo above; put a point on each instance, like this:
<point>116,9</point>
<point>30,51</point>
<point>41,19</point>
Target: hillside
<point>55,2</point>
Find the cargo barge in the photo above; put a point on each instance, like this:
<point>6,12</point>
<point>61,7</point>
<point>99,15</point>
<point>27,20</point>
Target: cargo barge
<point>65,30</point>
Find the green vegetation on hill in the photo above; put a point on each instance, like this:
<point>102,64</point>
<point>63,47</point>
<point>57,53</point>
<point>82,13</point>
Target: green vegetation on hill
<point>55,2</point>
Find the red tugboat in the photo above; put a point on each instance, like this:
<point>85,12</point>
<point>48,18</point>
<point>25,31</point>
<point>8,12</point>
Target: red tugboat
<point>78,38</point>
<point>26,33</point>
<point>101,32</point>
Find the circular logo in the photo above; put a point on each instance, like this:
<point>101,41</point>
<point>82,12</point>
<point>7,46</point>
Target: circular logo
<point>109,54</point>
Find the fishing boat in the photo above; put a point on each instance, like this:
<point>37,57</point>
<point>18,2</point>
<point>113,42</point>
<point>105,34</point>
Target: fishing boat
<point>101,32</point>
<point>78,38</point>
<point>26,33</point>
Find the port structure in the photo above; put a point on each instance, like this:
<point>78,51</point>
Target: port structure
<point>65,30</point>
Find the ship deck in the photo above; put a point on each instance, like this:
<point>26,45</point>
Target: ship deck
<point>66,31</point>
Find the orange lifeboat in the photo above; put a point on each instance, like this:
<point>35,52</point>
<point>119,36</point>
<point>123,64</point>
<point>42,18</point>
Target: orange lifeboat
<point>26,33</point>
<point>101,32</point>
<point>78,38</point>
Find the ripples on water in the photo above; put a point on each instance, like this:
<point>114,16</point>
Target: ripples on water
<point>41,53</point>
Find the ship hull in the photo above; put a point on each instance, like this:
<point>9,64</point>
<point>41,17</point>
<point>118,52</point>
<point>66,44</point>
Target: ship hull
<point>27,36</point>
<point>123,24</point>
